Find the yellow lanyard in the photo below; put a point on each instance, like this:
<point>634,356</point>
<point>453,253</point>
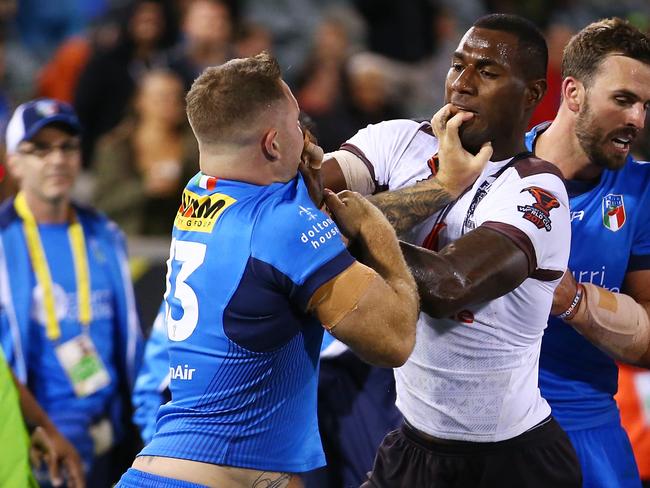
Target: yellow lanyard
<point>42,270</point>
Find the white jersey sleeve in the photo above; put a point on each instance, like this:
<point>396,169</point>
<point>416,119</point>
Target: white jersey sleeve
<point>383,146</point>
<point>531,207</point>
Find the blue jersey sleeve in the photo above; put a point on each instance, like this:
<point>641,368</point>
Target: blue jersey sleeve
<point>302,243</point>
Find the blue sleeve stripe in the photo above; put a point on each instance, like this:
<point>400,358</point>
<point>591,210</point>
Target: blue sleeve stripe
<point>322,275</point>
<point>639,263</point>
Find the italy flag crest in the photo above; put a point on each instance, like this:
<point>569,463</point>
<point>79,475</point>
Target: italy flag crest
<point>613,212</point>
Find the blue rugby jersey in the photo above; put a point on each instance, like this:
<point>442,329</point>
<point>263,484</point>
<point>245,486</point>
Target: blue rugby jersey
<point>610,227</point>
<point>244,262</point>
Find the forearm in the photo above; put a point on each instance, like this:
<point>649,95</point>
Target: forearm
<point>481,266</point>
<point>389,310</point>
<point>615,323</point>
<point>380,250</point>
<point>407,207</point>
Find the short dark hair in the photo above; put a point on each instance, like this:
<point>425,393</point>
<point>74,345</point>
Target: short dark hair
<point>226,99</point>
<point>586,50</point>
<point>532,49</point>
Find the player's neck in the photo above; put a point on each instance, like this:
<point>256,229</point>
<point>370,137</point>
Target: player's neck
<point>49,211</point>
<point>238,166</point>
<point>559,145</point>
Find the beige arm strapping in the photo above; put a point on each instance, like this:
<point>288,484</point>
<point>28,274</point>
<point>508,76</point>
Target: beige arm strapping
<point>356,173</point>
<point>614,322</point>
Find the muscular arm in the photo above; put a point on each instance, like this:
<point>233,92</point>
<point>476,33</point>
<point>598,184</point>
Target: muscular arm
<point>637,285</point>
<point>404,208</point>
<point>407,207</point>
<point>616,323</point>
<point>480,266</point>
<point>374,311</point>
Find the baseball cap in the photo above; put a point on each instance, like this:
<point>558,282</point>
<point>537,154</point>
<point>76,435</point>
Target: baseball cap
<point>30,117</point>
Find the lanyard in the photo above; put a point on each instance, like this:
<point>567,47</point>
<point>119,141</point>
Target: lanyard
<point>481,192</point>
<point>42,270</point>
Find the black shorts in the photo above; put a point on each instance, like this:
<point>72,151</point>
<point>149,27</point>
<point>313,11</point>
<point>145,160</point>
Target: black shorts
<point>542,457</point>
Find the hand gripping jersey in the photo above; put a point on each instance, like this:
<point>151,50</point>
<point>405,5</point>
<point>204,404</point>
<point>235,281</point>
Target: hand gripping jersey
<point>610,224</point>
<point>244,262</point>
<point>473,376</point>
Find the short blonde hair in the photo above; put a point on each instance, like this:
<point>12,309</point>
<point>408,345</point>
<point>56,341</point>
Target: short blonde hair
<point>227,99</point>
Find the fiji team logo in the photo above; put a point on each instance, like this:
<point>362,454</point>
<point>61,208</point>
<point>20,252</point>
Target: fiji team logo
<point>613,212</point>
<point>200,212</point>
<point>539,213</point>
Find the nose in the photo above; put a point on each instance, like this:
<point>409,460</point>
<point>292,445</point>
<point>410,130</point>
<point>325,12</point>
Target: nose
<point>636,115</point>
<point>463,81</point>
<point>56,155</point>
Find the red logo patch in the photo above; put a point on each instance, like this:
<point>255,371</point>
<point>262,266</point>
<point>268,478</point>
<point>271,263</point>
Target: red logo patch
<point>539,212</point>
<point>465,317</point>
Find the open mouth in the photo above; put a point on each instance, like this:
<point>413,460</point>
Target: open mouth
<point>621,143</point>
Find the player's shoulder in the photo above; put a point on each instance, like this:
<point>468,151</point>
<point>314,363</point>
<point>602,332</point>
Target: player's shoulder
<point>394,127</point>
<point>636,169</point>
<point>292,235</point>
<point>287,213</point>
<point>528,165</point>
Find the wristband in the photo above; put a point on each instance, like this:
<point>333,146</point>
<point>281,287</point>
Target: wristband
<point>574,303</point>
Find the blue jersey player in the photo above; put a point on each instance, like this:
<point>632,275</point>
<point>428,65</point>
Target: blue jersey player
<point>605,296</point>
<point>254,270</point>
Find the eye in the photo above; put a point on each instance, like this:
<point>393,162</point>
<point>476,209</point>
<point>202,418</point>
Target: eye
<point>488,74</point>
<point>622,100</point>
<point>457,66</point>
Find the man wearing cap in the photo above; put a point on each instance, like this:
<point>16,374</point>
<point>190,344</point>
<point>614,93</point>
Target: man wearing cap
<point>68,322</point>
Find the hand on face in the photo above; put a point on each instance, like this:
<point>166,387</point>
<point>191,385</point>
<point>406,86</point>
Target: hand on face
<point>458,168</point>
<point>311,161</point>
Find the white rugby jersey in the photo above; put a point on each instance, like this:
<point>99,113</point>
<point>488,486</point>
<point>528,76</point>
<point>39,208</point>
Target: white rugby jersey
<point>473,376</point>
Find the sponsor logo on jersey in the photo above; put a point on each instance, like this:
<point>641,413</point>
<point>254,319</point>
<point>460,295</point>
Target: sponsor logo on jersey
<point>579,215</point>
<point>319,233</point>
<point>307,212</point>
<point>199,213</point>
<point>613,212</point>
<point>595,277</point>
<point>181,372</point>
<point>539,212</point>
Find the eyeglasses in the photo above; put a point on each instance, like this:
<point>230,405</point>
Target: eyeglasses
<point>42,149</point>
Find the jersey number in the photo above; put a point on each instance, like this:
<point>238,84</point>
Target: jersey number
<point>185,258</point>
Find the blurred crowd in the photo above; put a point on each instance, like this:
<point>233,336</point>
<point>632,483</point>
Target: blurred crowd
<point>125,66</point>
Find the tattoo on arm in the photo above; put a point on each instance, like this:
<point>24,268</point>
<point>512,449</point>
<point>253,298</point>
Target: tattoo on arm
<point>272,480</point>
<point>407,207</point>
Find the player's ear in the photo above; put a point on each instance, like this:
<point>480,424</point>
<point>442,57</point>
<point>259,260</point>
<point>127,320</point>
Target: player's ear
<point>573,93</point>
<point>535,92</point>
<point>270,145</point>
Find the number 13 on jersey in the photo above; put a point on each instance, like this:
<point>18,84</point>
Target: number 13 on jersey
<point>185,257</point>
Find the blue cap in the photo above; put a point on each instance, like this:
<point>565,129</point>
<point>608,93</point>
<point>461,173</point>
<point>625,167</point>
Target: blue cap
<point>30,117</point>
